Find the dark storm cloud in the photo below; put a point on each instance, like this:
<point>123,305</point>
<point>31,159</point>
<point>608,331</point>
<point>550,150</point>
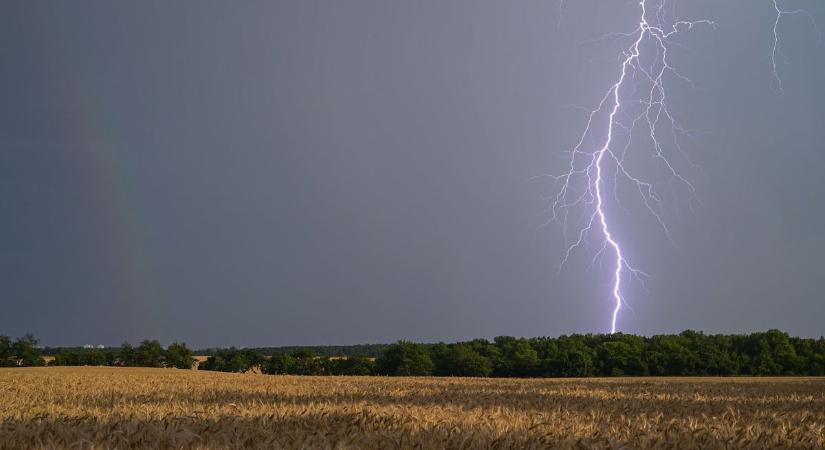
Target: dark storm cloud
<point>294,172</point>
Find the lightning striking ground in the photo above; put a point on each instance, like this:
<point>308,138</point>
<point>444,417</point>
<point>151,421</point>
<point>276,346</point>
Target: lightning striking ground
<point>637,98</point>
<point>644,60</point>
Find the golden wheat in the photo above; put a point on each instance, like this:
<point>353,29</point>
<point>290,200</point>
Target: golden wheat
<point>127,408</point>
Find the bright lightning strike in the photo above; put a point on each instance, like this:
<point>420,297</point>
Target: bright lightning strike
<point>637,97</point>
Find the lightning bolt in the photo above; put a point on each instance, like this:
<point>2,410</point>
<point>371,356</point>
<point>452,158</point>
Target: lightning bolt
<point>777,50</point>
<point>643,63</point>
<point>637,98</point>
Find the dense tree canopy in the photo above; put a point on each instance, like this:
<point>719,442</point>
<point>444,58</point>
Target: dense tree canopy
<point>178,356</point>
<point>6,354</point>
<point>405,359</point>
<point>232,360</point>
<point>690,353</point>
<point>22,352</point>
<point>368,350</point>
<point>149,353</point>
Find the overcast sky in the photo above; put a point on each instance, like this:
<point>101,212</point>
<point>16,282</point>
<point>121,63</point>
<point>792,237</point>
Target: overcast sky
<point>334,172</point>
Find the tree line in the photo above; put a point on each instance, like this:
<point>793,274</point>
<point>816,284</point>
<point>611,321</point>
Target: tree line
<point>298,362</point>
<point>24,352</point>
<point>369,350</point>
<point>689,353</point>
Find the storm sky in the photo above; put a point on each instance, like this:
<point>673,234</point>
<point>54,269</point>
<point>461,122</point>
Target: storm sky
<point>335,172</point>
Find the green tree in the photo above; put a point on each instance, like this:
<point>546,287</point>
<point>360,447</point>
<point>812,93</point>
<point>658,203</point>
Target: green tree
<point>280,364</point>
<point>82,357</point>
<point>783,352</point>
<point>714,354</point>
<point>126,357</point>
<point>405,359</point>
<point>463,361</point>
<point>817,361</point>
<point>26,351</point>
<point>233,360</point>
<point>305,362</point>
<point>149,354</point>
<point>95,357</point>
<point>179,356</point>
<point>518,358</point>
<point>671,355</point>
<point>354,365</point>
<point>213,363</point>
<point>238,363</point>
<point>621,357</point>
<point>66,357</point>
<point>771,353</point>
<point>575,358</point>
<point>6,354</point>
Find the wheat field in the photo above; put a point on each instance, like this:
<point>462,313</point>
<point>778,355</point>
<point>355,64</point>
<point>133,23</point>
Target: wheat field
<point>166,408</point>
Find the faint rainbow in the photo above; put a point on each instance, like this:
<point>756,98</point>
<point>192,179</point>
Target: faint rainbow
<point>105,152</point>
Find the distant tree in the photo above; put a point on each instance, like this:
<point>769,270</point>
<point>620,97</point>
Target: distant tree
<point>238,363</point>
<point>353,365</point>
<point>66,357</point>
<point>688,353</point>
<point>440,356</point>
<point>82,357</point>
<point>405,359</point>
<point>771,353</point>
<point>466,362</point>
<point>126,356</point>
<point>96,357</point>
<point>784,354</point>
<point>369,350</point>
<point>713,354</point>
<point>179,356</point>
<point>525,359</point>
<point>305,362</point>
<point>149,354</point>
<point>578,363</point>
<point>26,351</point>
<point>567,356</point>
<point>817,359</point>
<point>280,364</point>
<point>621,357</point>
<point>213,363</point>
<point>6,353</point>
<point>233,360</point>
<point>671,355</point>
<point>503,363</point>
<point>518,358</point>
<point>549,355</point>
